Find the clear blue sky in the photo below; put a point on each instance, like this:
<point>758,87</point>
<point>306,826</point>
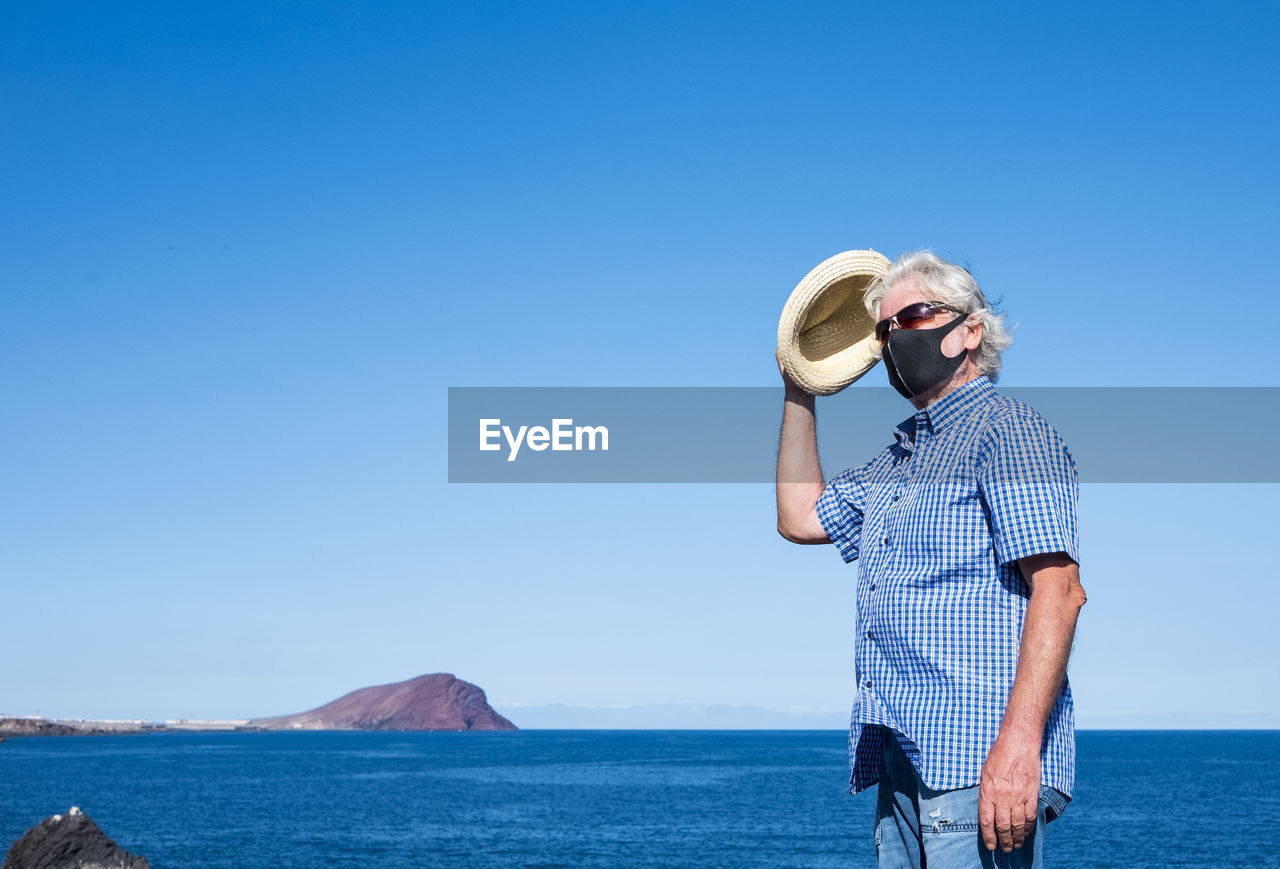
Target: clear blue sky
<point>247,247</point>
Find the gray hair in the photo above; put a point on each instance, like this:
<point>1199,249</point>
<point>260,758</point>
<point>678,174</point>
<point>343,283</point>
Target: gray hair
<point>952,285</point>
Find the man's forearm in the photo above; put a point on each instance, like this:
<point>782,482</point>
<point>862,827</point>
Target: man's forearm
<point>1047,633</point>
<point>1011,773</point>
<point>799,480</point>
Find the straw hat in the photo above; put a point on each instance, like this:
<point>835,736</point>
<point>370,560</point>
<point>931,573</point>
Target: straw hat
<point>826,338</point>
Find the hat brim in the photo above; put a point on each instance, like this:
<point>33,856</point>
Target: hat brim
<point>826,338</point>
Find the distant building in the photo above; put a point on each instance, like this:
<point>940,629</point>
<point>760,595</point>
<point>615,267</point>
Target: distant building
<point>206,723</point>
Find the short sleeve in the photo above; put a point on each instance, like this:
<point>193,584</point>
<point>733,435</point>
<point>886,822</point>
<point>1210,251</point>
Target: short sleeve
<point>1029,483</point>
<point>840,511</point>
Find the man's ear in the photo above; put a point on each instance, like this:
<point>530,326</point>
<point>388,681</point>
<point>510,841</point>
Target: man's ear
<point>973,335</point>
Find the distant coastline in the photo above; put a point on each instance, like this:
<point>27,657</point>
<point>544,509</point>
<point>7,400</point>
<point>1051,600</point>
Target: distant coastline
<point>433,701</point>
<point>35,725</point>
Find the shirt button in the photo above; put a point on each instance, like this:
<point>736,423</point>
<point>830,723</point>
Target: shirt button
<point>868,635</point>
<point>895,497</point>
<point>868,683</point>
<point>886,541</point>
<point>873,586</point>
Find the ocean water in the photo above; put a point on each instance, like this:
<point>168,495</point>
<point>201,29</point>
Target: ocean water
<point>602,798</point>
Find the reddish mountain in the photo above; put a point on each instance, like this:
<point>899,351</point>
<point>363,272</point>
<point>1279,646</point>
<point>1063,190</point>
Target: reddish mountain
<point>437,701</point>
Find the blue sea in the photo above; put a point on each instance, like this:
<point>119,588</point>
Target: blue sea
<point>602,798</point>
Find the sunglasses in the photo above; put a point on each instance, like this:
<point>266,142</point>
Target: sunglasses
<point>912,317</point>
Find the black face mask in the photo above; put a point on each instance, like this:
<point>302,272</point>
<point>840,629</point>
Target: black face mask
<point>914,359</point>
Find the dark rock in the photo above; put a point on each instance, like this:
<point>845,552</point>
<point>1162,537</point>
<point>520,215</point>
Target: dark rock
<point>438,701</point>
<point>70,841</point>
<point>40,727</point>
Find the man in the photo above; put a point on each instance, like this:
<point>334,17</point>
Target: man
<point>968,588</point>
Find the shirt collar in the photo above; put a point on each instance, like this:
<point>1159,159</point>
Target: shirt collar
<point>953,406</point>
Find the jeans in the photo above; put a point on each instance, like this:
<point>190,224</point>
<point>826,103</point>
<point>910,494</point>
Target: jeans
<point>919,828</point>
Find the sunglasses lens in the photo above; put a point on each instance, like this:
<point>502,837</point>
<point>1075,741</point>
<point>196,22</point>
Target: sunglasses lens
<point>915,316</point>
<point>910,317</point>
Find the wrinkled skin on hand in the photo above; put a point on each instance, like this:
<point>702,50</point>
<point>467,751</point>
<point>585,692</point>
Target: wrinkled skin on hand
<point>1009,793</point>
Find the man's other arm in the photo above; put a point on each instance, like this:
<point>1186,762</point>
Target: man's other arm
<point>1010,785</point>
<point>799,481</point>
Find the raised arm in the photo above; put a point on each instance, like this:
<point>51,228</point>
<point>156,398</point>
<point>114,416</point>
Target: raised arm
<point>799,481</point>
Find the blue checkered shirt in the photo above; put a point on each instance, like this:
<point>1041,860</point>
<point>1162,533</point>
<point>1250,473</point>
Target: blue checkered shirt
<point>938,521</point>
